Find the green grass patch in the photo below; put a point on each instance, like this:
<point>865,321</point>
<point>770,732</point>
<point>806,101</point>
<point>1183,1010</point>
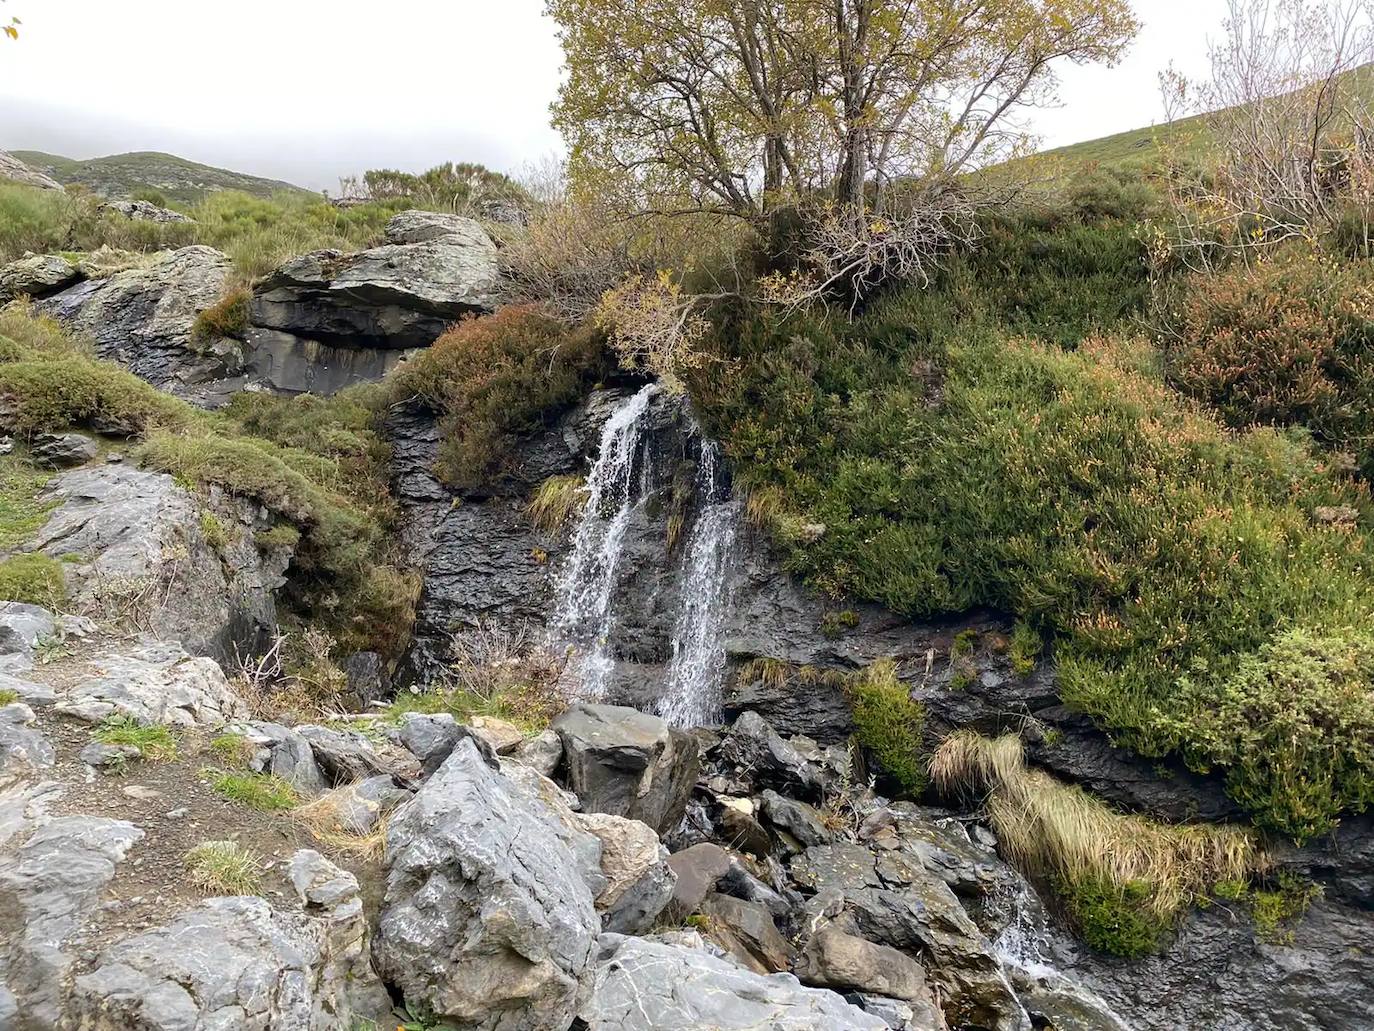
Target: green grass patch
<point>264,792</point>
<point>224,868</point>
<point>8,696</point>
<point>232,749</point>
<point>35,579</point>
<point>154,741</point>
<point>889,724</point>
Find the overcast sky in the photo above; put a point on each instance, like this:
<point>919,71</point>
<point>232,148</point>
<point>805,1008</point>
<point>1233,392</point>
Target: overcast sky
<point>308,90</point>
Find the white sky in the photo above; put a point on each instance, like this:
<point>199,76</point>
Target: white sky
<point>308,90</point>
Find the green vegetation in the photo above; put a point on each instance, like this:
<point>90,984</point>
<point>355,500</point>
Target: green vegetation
<point>232,749</point>
<point>264,792</point>
<point>556,501</point>
<point>1025,649</point>
<point>8,695</point>
<point>955,465</point>
<point>492,378</point>
<point>224,868</point>
<point>35,579</point>
<point>1122,879</point>
<point>21,513</point>
<point>228,317</point>
<point>529,706</point>
<point>153,741</point>
<point>889,724</point>
<point>133,174</point>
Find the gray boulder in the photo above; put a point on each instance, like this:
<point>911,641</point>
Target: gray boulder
<point>146,211</point>
<point>639,881</point>
<point>37,275</point>
<point>281,752</point>
<point>142,318</point>
<point>14,170</point>
<point>486,921</point>
<point>22,626</point>
<point>239,964</point>
<point>22,745</point>
<point>641,985</point>
<point>833,959</point>
<point>628,763</point>
<point>289,364</point>
<point>746,931</point>
<point>154,683</point>
<point>757,755</point>
<point>433,270</point>
<point>60,450</point>
<point>54,882</point>
<point>134,545</point>
<point>697,869</point>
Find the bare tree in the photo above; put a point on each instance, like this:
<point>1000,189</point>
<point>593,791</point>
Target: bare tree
<point>1287,111</point>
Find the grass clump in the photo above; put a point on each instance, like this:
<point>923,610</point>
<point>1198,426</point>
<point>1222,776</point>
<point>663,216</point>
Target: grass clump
<point>224,868</point>
<point>227,317</point>
<point>1025,648</point>
<point>153,741</point>
<point>265,792</point>
<point>330,820</point>
<point>889,724</point>
<point>556,501</point>
<point>1123,879</point>
<point>8,696</point>
<point>498,376</point>
<point>233,749</point>
<point>35,579</point>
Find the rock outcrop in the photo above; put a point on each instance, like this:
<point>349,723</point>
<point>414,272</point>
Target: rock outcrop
<point>16,171</point>
<point>36,276</point>
<point>135,546</point>
<point>143,318</point>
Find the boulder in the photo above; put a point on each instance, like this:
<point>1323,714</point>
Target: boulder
<point>61,450</point>
<point>14,170</point>
<point>486,921</point>
<point>23,626</point>
<point>639,881</point>
<point>134,546</point>
<point>503,737</point>
<point>757,755</point>
<point>640,985</point>
<point>142,318</point>
<point>357,809</point>
<point>54,882</point>
<point>238,963</point>
<point>146,211</point>
<point>281,752</point>
<point>745,930</point>
<point>343,756</point>
<point>289,364</point>
<point>154,683</point>
<point>433,269</point>
<point>543,752</point>
<point>37,275</point>
<point>431,737</point>
<point>628,763</point>
<point>833,959</point>
<point>23,747</point>
<point>803,822</point>
<point>697,869</point>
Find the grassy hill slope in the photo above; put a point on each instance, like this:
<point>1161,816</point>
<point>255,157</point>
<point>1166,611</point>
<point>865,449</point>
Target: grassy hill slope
<point>178,180</point>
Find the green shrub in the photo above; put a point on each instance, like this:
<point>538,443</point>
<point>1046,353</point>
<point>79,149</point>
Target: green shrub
<point>889,724</point>
<point>43,395</point>
<point>1025,648</point>
<point>227,317</point>
<point>1111,918</point>
<point>493,378</point>
<point>35,579</point>
<point>1286,341</point>
<point>954,468</point>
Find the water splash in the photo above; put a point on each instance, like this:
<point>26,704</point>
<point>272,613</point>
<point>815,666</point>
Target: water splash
<point>586,585</point>
<point>697,667</point>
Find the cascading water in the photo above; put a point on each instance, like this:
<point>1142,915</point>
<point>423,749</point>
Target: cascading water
<point>621,479</point>
<point>586,584</point>
<point>692,697</point>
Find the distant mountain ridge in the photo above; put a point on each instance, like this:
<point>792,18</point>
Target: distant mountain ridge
<point>177,179</point>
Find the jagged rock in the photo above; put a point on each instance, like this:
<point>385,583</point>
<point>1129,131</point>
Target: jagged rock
<point>742,884</point>
<point>343,756</point>
<point>131,539</point>
<point>833,959</point>
<point>641,985</point>
<point>742,832</point>
<point>906,1016</point>
<point>367,679</point>
<point>697,870</point>
<point>154,683</point>
<point>758,755</point>
<point>99,754</point>
<point>803,822</point>
<point>291,364</point>
<point>486,921</point>
<point>237,963</point>
<point>23,626</point>
<point>746,931</point>
<point>628,763</point>
<point>146,211</point>
<point>60,450</point>
<point>432,737</point>
<point>13,169</point>
<point>947,852</point>
<point>55,880</point>
<point>639,881</point>
<point>282,752</point>
<point>893,900</point>
<point>142,318</point>
<point>37,275</point>
<point>21,745</point>
<point>433,270</point>
<point>543,752</point>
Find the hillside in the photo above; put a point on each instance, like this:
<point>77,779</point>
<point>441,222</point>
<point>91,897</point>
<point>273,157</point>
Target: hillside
<point>179,180</point>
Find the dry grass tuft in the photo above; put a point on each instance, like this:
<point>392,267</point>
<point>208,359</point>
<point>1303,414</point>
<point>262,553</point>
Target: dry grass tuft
<point>1059,833</point>
<point>557,500</point>
<point>224,868</point>
<point>326,819</point>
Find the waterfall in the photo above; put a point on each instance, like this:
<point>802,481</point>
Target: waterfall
<point>586,584</point>
<point>692,695</point>
<point>621,479</point>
